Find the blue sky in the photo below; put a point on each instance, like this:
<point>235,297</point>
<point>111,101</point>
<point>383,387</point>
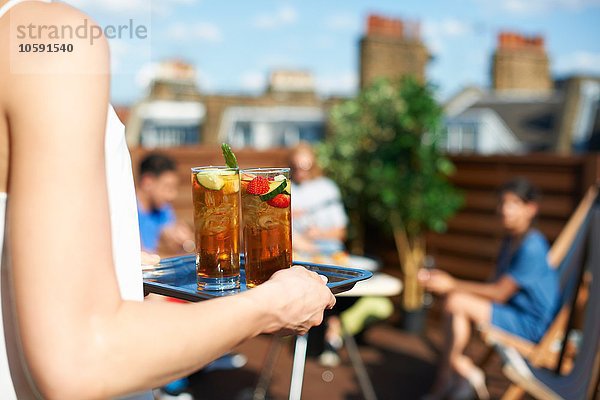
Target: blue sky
<point>234,44</point>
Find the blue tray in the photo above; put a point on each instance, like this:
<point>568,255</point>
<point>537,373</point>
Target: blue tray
<point>176,277</point>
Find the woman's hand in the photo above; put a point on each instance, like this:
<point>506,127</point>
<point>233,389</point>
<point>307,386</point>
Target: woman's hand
<point>436,281</point>
<point>298,298</point>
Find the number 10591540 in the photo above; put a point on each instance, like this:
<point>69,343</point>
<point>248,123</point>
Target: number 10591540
<point>45,48</point>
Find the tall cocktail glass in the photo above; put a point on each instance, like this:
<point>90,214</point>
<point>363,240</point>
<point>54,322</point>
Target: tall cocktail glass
<point>216,197</point>
<point>266,222</point>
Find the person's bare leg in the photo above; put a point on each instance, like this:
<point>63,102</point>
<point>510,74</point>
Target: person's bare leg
<point>460,309</point>
<point>464,309</point>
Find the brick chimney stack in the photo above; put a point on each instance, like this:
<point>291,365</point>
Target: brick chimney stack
<point>391,48</point>
<point>521,63</point>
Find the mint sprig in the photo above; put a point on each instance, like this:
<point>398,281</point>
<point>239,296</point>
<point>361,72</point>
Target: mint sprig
<point>229,157</point>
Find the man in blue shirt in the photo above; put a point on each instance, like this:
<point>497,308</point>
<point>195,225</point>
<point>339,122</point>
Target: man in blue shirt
<point>522,300</point>
<point>157,188</point>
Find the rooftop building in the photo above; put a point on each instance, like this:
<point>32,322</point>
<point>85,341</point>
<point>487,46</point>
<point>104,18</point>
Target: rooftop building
<point>391,48</point>
<point>524,110</point>
<point>520,63</point>
<point>176,112</point>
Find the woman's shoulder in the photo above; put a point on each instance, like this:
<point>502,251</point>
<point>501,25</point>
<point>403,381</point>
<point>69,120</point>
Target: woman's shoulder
<point>535,241</point>
<point>71,32</point>
<point>51,57</point>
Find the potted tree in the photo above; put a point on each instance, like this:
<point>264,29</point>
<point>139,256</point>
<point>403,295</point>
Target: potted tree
<point>382,151</point>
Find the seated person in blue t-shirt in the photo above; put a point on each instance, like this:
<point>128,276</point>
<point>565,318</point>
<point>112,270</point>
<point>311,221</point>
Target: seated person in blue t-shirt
<point>521,300</point>
<point>157,188</point>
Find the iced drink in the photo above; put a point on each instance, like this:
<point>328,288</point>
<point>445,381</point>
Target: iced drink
<point>216,197</point>
<point>266,221</point>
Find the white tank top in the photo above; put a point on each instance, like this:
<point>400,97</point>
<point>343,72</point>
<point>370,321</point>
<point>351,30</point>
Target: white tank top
<point>14,379</point>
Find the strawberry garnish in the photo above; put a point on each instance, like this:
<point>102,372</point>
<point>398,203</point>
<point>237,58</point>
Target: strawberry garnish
<point>280,201</point>
<point>258,186</point>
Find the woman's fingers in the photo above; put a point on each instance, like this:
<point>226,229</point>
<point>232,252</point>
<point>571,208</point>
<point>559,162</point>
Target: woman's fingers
<point>306,297</point>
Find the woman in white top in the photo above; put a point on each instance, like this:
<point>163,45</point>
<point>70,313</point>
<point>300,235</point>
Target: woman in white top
<point>319,217</point>
<point>72,325</point>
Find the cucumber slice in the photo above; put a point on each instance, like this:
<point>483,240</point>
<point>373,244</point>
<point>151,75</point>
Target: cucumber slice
<point>210,180</point>
<point>279,188</point>
<point>273,185</point>
<point>231,186</point>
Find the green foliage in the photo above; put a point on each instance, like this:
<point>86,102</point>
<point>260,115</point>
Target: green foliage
<point>382,152</point>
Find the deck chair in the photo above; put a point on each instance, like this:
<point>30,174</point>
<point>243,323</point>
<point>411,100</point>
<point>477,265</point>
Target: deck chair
<point>582,381</point>
<point>566,254</point>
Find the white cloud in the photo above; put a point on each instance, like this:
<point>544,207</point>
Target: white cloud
<point>285,15</point>
<point>582,62</point>
<point>437,32</point>
<point>253,81</point>
<point>343,83</point>
<point>204,31</point>
<point>528,7</point>
<point>342,22</point>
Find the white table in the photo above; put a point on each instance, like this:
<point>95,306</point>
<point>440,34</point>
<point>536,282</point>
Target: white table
<point>380,284</point>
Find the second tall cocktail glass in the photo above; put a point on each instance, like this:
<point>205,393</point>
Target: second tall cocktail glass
<point>216,197</point>
<point>266,222</point>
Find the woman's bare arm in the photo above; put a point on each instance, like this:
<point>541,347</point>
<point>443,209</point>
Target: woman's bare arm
<point>440,282</point>
<point>79,338</point>
<point>499,291</point>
